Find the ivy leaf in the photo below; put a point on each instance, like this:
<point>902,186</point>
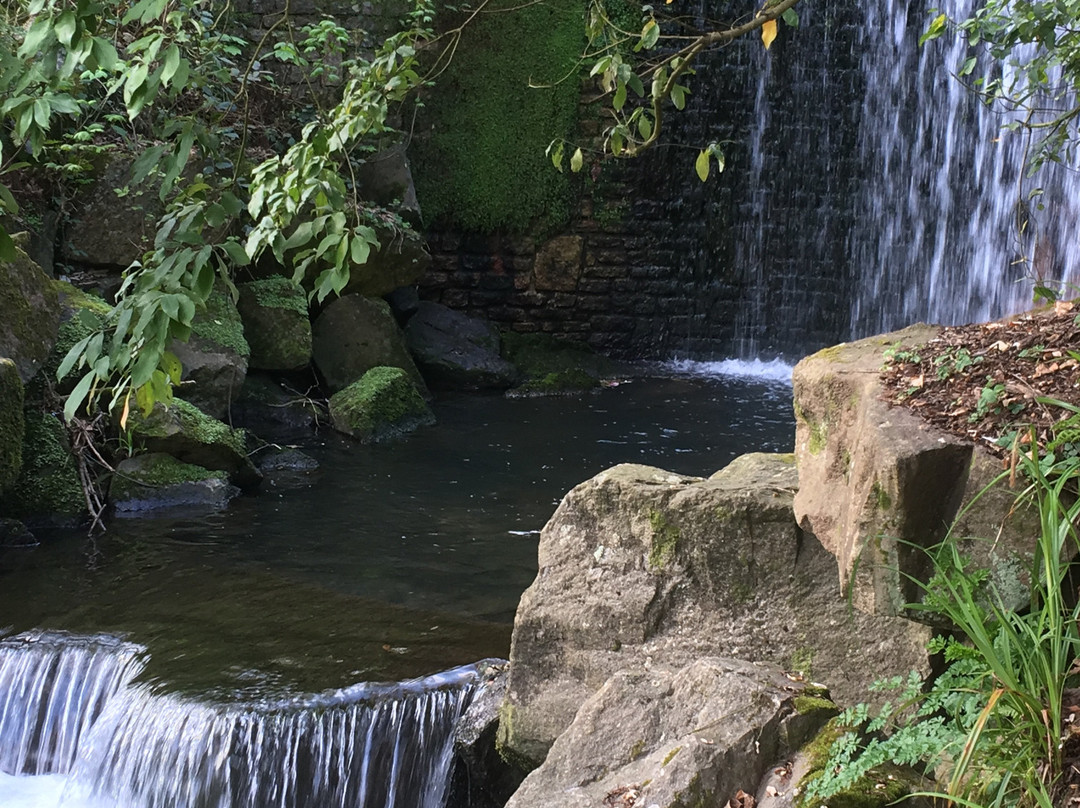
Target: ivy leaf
<point>768,33</point>
<point>790,18</point>
<point>701,165</point>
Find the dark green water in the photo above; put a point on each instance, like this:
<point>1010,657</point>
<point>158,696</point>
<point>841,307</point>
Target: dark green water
<point>392,561</point>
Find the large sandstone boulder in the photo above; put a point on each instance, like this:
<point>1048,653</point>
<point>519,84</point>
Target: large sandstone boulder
<point>29,312</point>
<point>355,334</point>
<point>878,486</point>
<point>639,563</point>
<point>381,405</point>
<point>215,356</point>
<point>658,736</point>
<point>12,425</point>
<point>190,435</point>
<point>276,324</point>
<point>457,351</point>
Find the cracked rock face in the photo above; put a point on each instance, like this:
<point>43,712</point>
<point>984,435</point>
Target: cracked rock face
<point>641,567</point>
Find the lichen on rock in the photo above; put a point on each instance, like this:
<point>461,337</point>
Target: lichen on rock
<point>382,404</point>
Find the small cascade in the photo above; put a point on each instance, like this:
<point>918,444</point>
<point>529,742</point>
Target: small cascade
<point>68,705</point>
<point>53,687</point>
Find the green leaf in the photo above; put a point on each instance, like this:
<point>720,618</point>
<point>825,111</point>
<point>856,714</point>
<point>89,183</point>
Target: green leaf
<point>40,32</point>
<point>145,162</point>
<point>620,97</point>
<point>678,96</point>
<point>78,395</point>
<point>790,18</point>
<point>936,29</point>
<point>42,112</point>
<point>650,35</point>
<point>555,150</point>
<point>238,256</point>
<point>967,67</point>
<point>645,127</point>
<point>171,63</point>
<point>701,165</point>
<point>170,364</point>
<point>71,358</point>
<point>359,250</point>
<point>576,161</point>
<point>65,27</point>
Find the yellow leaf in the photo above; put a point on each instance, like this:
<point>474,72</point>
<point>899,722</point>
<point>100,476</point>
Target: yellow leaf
<point>126,412</point>
<point>768,33</point>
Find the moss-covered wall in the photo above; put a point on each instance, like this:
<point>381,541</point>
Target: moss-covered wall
<point>478,157</point>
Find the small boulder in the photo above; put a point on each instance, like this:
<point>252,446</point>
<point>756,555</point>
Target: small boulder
<point>456,351</point>
<point>81,314</point>
<point>276,324</point>
<point>215,357</point>
<point>271,407</point>
<point>188,434</point>
<point>154,481</point>
<point>355,334</point>
<point>552,366</point>
<point>383,404</point>
<point>12,423</point>
<point>47,490</point>
<point>29,312</point>
<point>14,533</point>
<point>658,736</point>
<point>385,178</point>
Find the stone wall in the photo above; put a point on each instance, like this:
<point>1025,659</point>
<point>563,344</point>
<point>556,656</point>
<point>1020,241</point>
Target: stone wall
<point>655,263</point>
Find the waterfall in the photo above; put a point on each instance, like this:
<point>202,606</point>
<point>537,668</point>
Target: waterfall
<point>69,705</point>
<point>53,687</point>
<point>943,189</point>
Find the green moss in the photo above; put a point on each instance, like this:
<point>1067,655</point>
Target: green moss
<point>637,748</point>
<point>881,496</point>
<point>507,753</point>
<point>552,365</point>
<point>665,541</point>
<point>279,292</point>
<point>158,471</point>
<point>670,755</point>
<point>84,315</point>
<point>512,88</point>
<point>722,513</point>
<point>75,298</point>
<point>194,423</point>
<point>788,458</point>
<point>48,485</point>
<point>220,323</point>
<point>379,404</point>
<point>12,424</point>
<point>880,788</point>
<point>806,705</point>
<point>802,661</point>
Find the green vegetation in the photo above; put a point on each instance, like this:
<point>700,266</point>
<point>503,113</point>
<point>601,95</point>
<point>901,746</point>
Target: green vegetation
<point>49,482</point>
<point>380,405</point>
<point>994,719</point>
<point>279,292</point>
<point>12,425</point>
<point>219,322</point>
<point>513,86</point>
<point>552,365</point>
<point>665,540</point>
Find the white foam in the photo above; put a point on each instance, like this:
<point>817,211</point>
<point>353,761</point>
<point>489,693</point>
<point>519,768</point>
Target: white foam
<point>40,791</point>
<point>773,370</point>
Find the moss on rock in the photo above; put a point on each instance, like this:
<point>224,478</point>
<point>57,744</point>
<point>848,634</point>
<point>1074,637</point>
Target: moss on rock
<point>220,324</point>
<point>276,325</point>
<point>551,365</point>
<point>879,788</point>
<point>156,480</point>
<point>48,487</point>
<point>12,424</point>
<point>382,404</point>
<point>31,311</point>
<point>665,541</point>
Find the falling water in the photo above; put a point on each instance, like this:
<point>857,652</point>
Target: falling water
<point>70,706</point>
<point>936,236</point>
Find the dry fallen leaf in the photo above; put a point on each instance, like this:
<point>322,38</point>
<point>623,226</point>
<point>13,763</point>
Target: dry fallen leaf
<point>768,33</point>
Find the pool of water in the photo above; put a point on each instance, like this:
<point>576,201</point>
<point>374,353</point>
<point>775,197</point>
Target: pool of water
<point>392,561</point>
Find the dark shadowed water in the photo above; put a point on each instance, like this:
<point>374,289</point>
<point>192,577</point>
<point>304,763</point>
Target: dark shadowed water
<point>394,561</point>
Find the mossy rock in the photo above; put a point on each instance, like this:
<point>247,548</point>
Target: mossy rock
<point>881,787</point>
<point>190,435</point>
<point>47,490</point>
<point>155,480</point>
<point>276,325</point>
<point>29,312</point>
<point>12,424</point>
<point>81,314</point>
<point>381,405</point>
<point>215,357</point>
<point>553,366</point>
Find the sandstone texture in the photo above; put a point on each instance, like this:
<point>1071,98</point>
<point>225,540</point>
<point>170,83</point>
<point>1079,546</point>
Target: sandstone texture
<point>878,486</point>
<point>670,738</point>
<point>640,565</point>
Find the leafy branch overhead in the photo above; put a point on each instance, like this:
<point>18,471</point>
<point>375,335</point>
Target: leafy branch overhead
<point>660,57</point>
<point>166,79</point>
